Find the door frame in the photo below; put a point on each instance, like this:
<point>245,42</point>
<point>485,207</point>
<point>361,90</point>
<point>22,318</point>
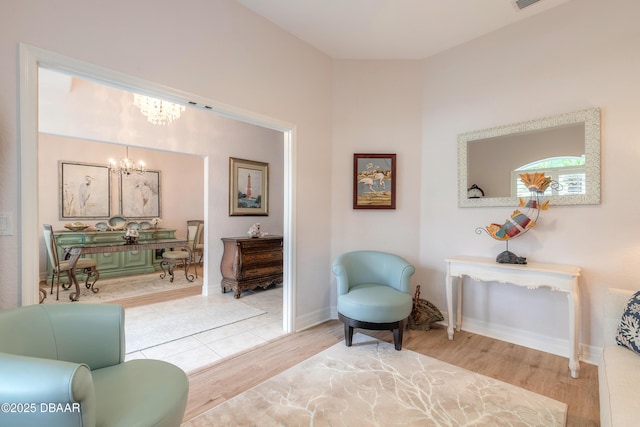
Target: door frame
<point>31,58</point>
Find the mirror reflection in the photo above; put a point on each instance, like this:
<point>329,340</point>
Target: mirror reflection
<point>565,147</point>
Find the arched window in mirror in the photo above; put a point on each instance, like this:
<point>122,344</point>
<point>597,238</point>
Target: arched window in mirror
<point>567,171</point>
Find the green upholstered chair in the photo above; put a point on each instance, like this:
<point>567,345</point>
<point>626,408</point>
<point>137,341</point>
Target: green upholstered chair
<point>373,292</point>
<point>71,356</point>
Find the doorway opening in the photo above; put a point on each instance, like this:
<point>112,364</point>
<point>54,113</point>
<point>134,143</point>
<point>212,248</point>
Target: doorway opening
<point>31,59</point>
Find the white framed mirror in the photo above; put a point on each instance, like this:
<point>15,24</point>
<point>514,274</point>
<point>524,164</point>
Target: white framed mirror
<point>565,146</point>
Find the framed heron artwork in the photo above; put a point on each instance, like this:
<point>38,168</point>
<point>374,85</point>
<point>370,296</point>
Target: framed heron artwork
<point>84,190</point>
<point>374,181</point>
<point>140,195</point>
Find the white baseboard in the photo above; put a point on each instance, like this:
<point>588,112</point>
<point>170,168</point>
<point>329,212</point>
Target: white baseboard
<point>313,318</point>
<point>557,346</point>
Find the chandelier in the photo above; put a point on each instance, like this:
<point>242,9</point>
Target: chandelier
<point>126,166</point>
<point>157,111</point>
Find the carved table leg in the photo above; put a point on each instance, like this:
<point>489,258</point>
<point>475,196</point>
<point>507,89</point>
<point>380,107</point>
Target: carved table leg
<point>449,293</point>
<point>188,276</point>
<point>574,331</point>
<point>92,272</point>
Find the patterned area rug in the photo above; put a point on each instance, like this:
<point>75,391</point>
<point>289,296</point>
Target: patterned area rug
<point>123,287</point>
<point>371,384</point>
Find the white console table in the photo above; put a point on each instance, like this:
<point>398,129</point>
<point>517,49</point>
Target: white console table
<point>563,278</point>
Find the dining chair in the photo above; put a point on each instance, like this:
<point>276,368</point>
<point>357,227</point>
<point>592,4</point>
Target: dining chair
<point>87,265</point>
<point>195,228</point>
<point>198,246</point>
<point>170,259</point>
<point>192,228</point>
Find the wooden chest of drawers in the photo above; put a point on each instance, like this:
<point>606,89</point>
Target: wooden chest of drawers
<point>250,262</point>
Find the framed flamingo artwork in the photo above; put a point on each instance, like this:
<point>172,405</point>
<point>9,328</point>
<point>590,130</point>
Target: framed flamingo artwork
<point>374,181</point>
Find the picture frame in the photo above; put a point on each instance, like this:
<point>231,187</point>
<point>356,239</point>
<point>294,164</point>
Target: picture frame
<point>374,181</point>
<point>248,187</point>
<point>141,195</point>
<point>84,190</point>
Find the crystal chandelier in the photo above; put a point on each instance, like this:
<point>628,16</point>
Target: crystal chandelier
<point>126,166</point>
<point>157,111</point>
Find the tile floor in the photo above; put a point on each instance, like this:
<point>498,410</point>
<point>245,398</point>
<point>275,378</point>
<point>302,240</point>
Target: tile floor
<point>208,347</point>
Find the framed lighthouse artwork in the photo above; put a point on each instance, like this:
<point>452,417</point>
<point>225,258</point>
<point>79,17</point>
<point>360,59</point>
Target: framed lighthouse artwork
<point>248,187</point>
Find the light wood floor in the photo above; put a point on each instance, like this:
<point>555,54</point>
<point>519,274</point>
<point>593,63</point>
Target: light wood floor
<point>536,371</point>
<point>158,297</point>
<point>542,373</point>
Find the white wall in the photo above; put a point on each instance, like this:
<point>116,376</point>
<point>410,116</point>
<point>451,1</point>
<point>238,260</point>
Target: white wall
<point>580,55</point>
<point>217,50</point>
<point>377,107</point>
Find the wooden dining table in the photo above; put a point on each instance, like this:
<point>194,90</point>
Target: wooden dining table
<point>74,252</point>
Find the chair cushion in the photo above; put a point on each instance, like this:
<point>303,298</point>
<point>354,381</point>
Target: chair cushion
<point>175,255</point>
<point>80,264</point>
<point>618,378</point>
<point>375,303</point>
<point>140,392</point>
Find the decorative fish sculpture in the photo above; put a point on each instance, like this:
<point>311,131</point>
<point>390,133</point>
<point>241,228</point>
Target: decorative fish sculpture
<point>535,182</point>
<point>513,226</point>
<point>533,204</point>
<point>521,220</point>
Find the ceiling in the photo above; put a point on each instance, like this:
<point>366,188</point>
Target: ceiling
<point>392,29</point>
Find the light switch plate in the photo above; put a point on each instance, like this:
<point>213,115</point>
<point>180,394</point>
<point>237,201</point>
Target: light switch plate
<point>6,224</point>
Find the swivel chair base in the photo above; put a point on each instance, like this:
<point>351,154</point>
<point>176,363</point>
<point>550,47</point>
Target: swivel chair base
<point>396,327</point>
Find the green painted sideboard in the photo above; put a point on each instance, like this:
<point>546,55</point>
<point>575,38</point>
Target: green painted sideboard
<point>115,264</point>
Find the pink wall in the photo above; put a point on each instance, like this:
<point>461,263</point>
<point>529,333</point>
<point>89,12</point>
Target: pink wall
<point>103,113</point>
<point>181,181</point>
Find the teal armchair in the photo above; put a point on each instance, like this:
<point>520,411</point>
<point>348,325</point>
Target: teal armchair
<point>63,365</point>
<point>373,292</point>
